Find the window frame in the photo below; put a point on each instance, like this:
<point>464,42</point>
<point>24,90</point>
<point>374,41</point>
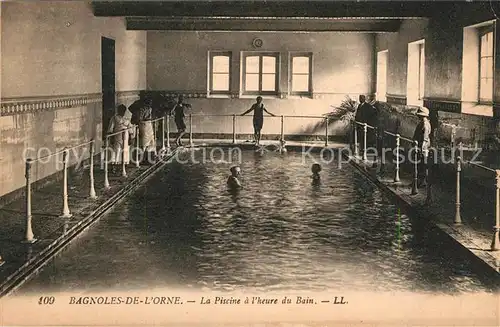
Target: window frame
<point>308,55</point>
<point>385,53</point>
<point>211,56</point>
<point>260,54</point>
<point>421,71</point>
<point>481,31</point>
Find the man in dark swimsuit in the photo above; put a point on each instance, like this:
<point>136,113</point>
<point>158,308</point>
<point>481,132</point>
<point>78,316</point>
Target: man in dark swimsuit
<point>258,117</point>
<point>179,119</point>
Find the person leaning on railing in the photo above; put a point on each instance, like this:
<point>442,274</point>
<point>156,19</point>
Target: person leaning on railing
<point>146,133</point>
<point>179,115</point>
<point>422,135</point>
<point>366,113</point>
<point>120,122</point>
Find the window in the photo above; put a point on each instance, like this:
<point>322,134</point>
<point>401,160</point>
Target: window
<point>421,70</point>
<point>486,65</point>
<point>219,72</point>
<point>478,69</point>
<point>260,73</point>
<point>416,73</point>
<point>382,75</point>
<point>300,74</point>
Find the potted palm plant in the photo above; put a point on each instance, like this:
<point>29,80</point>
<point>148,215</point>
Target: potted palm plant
<point>345,112</point>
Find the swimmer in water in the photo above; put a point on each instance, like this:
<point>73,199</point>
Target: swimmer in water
<point>316,168</point>
<point>232,181</point>
<point>282,148</point>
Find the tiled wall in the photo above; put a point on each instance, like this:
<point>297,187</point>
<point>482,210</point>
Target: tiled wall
<point>37,127</point>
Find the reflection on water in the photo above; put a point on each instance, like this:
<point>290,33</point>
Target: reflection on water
<point>281,231</point>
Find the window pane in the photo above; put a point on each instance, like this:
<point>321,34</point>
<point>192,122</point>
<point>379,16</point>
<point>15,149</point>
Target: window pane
<point>252,65</point>
<point>486,89</point>
<point>300,83</point>
<point>220,64</point>
<point>269,82</point>
<point>482,68</point>
<point>220,82</point>
<point>486,67</point>
<point>251,82</point>
<point>487,44</point>
<point>484,46</point>
<point>269,65</point>
<point>489,67</point>
<point>300,65</point>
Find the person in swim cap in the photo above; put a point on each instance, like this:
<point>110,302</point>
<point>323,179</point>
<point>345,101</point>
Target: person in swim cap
<point>316,168</point>
<point>232,181</point>
<point>282,148</point>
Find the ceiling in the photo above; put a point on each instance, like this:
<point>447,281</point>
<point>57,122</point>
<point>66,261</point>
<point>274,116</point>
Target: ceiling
<point>317,16</point>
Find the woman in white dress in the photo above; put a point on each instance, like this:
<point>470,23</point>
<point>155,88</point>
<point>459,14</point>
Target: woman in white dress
<point>146,132</point>
<point>120,122</point>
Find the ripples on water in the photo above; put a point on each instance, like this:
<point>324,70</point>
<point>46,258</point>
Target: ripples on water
<point>280,232</point>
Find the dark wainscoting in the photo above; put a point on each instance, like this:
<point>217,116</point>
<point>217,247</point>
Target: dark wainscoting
<point>396,99</point>
<point>443,105</point>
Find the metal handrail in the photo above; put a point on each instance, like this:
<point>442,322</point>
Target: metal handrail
<point>406,139</point>
<point>480,166</point>
<point>363,124</point>
<point>61,151</point>
<point>276,116</point>
<point>116,133</point>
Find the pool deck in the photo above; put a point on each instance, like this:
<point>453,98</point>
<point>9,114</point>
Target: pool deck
<point>439,211</point>
<point>21,261</point>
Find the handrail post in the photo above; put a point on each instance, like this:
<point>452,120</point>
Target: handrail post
<point>428,198</point>
<point>168,133</point>
<point>396,174</point>
<point>91,170</point>
<point>106,149</point>
<point>191,129</point>
<point>65,212</point>
<point>282,131</point>
<point>326,131</point>
<point>163,134</point>
<point>124,147</point>
<point>155,135</point>
<point>365,129</point>
<point>234,129</point>
<point>414,186</point>
<point>29,238</point>
<point>452,137</point>
<point>495,244</point>
<point>137,149</point>
<point>458,217</point>
<point>356,151</point>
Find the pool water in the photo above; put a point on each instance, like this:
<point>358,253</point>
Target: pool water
<point>281,231</point>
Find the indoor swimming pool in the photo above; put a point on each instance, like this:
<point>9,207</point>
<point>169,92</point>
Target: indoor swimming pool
<point>280,232</point>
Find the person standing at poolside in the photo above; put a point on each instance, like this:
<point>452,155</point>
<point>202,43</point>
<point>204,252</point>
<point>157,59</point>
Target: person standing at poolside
<point>120,122</point>
<point>258,117</point>
<point>179,116</point>
<point>146,132</point>
<point>366,113</point>
<point>423,136</point>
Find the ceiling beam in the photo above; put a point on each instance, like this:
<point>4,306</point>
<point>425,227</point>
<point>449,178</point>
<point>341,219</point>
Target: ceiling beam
<point>395,9</point>
<point>275,25</point>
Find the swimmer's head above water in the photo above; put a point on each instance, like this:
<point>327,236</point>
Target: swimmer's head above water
<point>316,168</point>
<point>235,171</point>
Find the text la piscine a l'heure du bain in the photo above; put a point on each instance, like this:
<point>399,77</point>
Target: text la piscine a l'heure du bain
<point>217,300</point>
